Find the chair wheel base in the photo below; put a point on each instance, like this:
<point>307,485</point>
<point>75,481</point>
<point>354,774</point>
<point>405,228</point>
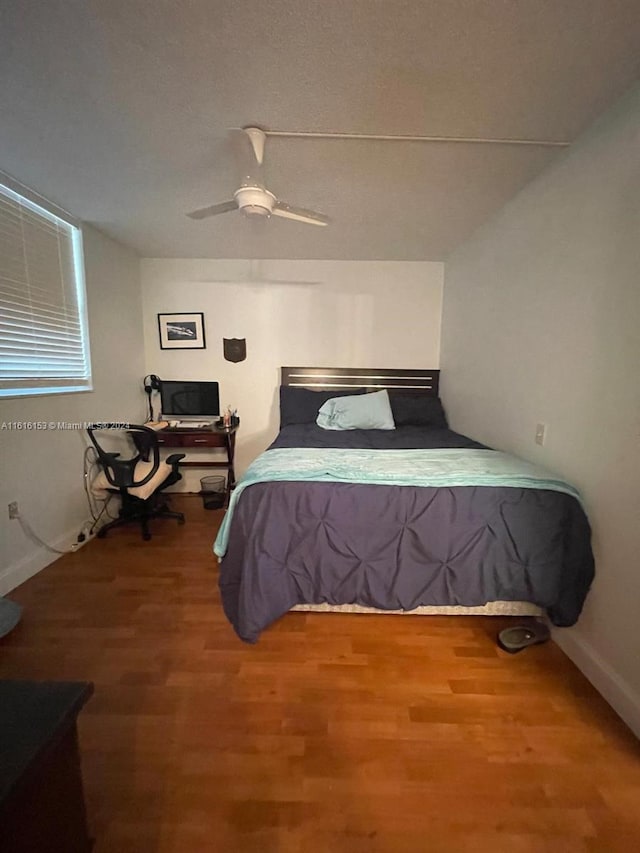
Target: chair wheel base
<point>142,519</point>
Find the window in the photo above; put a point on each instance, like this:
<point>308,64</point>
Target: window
<point>44,337</point>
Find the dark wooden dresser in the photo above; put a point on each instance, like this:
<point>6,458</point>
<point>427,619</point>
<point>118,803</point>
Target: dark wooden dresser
<point>42,806</point>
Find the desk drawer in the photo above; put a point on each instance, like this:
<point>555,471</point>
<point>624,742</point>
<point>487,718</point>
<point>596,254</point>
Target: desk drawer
<point>170,440</point>
<point>197,439</point>
<point>203,440</point>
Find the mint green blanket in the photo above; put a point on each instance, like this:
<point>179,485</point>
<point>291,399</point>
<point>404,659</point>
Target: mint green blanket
<point>441,467</point>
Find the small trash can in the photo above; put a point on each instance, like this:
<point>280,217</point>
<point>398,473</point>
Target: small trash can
<point>213,491</point>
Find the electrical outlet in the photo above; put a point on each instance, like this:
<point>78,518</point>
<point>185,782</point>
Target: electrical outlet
<point>541,430</point>
<point>13,509</point>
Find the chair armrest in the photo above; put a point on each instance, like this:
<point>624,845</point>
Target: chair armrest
<point>175,458</point>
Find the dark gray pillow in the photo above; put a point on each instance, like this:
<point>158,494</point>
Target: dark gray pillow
<point>417,410</point>
<point>301,405</point>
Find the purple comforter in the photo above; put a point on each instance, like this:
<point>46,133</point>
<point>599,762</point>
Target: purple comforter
<point>400,547</point>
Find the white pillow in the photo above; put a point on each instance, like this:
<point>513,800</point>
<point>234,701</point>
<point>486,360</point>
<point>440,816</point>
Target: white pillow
<point>101,485</point>
<point>364,411</point>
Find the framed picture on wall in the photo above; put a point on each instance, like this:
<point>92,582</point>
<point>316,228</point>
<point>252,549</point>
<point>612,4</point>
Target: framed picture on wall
<point>181,331</point>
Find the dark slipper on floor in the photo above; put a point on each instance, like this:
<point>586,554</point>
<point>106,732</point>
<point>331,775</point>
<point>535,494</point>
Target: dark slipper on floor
<point>10,614</point>
<point>519,637</point>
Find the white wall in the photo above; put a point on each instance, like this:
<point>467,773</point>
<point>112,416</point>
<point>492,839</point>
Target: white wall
<point>541,323</point>
<point>43,470</point>
<point>357,314</point>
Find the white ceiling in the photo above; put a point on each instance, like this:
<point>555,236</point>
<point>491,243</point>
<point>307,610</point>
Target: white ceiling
<point>118,111</point>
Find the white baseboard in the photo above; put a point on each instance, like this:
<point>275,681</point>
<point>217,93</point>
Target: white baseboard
<point>34,562</point>
<point>622,698</point>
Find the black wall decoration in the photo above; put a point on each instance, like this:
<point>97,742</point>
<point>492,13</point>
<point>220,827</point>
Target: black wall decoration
<point>235,349</point>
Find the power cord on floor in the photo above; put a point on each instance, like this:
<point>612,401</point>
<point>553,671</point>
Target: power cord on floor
<point>86,532</point>
<point>30,533</point>
<point>103,511</point>
<point>98,508</point>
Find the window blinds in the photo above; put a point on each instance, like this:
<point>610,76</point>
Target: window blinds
<point>44,344</point>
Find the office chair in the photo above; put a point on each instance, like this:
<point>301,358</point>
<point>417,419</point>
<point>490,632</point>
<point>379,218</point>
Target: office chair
<point>138,480</point>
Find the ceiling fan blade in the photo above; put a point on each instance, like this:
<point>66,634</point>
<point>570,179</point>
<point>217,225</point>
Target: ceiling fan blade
<point>213,210</point>
<point>299,214</point>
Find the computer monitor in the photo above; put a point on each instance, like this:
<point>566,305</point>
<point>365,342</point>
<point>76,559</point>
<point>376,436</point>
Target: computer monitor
<point>183,400</point>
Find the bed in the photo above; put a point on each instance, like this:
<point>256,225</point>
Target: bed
<point>411,519</point>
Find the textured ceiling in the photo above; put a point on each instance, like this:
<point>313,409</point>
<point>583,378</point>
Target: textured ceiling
<point>119,110</point>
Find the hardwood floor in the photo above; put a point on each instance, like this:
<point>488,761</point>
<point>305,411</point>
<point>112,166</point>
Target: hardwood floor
<point>367,734</point>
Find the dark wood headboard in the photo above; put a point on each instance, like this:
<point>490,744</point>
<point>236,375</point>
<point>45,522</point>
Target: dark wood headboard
<point>418,381</point>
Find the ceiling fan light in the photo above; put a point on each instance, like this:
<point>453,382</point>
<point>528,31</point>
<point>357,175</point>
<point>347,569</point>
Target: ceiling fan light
<point>255,201</point>
<point>255,210</point>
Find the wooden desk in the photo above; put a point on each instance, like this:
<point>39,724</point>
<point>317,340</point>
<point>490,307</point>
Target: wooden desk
<point>210,437</point>
<point>41,797</point>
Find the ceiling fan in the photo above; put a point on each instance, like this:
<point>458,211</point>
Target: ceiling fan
<point>252,197</point>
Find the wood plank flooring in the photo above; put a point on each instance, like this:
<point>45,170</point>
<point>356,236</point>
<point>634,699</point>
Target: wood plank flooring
<point>359,733</point>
